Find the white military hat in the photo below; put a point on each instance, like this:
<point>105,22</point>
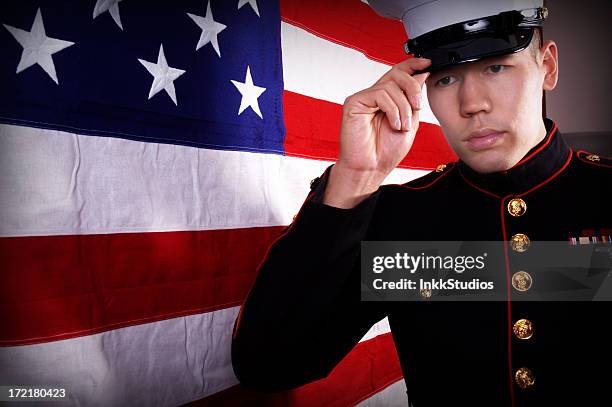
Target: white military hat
<point>451,32</point>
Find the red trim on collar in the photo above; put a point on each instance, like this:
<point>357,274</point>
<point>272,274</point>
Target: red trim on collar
<point>559,171</point>
<point>569,158</point>
<point>584,160</point>
<point>533,153</point>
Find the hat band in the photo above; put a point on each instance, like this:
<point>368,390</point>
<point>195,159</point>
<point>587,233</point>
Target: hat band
<point>500,24</point>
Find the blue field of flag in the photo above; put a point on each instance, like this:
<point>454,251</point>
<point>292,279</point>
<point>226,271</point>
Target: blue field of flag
<point>130,69</point>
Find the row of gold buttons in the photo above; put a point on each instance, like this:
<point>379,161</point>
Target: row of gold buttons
<point>521,281</point>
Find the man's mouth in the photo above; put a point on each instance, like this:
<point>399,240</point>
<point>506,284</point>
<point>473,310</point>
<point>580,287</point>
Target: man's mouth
<point>482,139</point>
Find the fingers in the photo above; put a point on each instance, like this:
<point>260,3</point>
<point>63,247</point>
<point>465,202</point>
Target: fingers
<point>411,85</point>
<point>397,94</point>
<point>406,68</point>
<point>389,98</point>
<point>401,103</point>
<point>412,65</point>
<point>385,98</point>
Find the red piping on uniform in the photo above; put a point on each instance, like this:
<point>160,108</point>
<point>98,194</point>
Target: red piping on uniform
<point>509,303</point>
<point>431,183</point>
<point>569,158</point>
<point>478,188</point>
<point>552,131</point>
<point>559,171</point>
<point>583,159</point>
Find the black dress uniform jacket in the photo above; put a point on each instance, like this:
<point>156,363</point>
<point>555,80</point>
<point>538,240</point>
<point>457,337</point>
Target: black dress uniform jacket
<point>304,313</point>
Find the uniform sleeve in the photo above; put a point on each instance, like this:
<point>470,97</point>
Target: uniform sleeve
<point>303,313</point>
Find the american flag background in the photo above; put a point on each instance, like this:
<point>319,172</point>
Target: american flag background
<point>150,151</point>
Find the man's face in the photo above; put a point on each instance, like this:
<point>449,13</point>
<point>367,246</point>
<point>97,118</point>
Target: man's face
<point>491,110</point>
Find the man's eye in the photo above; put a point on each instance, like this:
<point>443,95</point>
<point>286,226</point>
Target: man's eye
<point>496,68</point>
<point>447,80</point>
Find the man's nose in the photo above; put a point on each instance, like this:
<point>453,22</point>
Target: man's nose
<point>473,96</point>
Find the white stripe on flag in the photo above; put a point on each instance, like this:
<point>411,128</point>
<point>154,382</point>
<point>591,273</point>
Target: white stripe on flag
<point>164,363</point>
<point>392,396</point>
<point>136,362</point>
<point>325,70</point>
<point>59,183</point>
<point>379,328</point>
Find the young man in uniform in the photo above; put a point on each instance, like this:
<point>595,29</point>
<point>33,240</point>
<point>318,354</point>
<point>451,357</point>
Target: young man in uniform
<point>516,181</point>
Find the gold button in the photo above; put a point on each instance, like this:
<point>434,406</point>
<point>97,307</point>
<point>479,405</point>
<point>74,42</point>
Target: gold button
<point>523,329</point>
<point>592,157</point>
<point>517,207</point>
<point>520,243</point>
<point>525,378</point>
<point>521,281</point>
<point>426,292</point>
<point>440,167</point>
<point>294,217</point>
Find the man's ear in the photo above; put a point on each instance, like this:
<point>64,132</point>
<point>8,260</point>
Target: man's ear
<point>550,64</point>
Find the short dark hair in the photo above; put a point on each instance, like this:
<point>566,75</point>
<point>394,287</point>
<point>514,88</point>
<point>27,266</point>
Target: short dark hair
<point>534,46</point>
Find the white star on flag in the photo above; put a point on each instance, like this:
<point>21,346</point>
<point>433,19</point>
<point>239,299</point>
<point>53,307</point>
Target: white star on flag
<point>111,6</point>
<point>210,29</point>
<point>163,75</point>
<point>37,47</point>
<point>252,3</point>
<point>250,93</point>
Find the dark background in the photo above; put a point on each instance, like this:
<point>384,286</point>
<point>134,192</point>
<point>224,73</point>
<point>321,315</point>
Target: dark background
<point>582,102</point>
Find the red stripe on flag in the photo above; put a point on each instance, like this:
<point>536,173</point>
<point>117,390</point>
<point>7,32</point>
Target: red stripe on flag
<point>58,287</point>
<point>370,367</point>
<point>313,131</point>
<point>350,23</point>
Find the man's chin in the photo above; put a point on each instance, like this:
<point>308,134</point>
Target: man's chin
<point>488,163</point>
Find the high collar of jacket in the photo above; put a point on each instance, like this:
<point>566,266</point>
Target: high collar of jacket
<point>542,163</point>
